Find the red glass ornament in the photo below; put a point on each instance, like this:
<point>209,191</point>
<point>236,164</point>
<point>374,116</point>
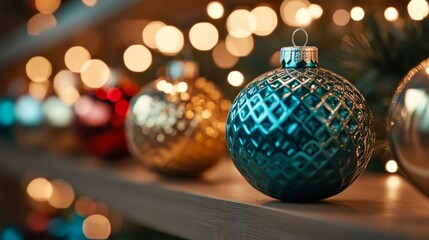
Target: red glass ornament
<point>100,118</point>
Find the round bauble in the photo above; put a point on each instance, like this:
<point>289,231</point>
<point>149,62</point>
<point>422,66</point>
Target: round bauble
<point>300,133</point>
<point>100,116</point>
<point>408,126</point>
<point>176,124</point>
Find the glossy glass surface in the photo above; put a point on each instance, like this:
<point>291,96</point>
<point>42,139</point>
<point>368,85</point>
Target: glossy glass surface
<point>408,126</point>
<point>300,134</point>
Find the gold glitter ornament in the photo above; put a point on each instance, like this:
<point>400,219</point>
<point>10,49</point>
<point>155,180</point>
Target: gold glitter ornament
<point>176,124</point>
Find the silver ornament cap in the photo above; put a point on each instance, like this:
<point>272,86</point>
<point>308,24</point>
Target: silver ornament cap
<point>299,56</point>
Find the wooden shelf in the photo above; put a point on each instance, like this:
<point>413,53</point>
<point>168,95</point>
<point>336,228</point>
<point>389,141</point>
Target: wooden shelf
<point>222,205</point>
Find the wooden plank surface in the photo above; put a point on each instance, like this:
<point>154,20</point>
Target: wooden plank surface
<point>222,205</point>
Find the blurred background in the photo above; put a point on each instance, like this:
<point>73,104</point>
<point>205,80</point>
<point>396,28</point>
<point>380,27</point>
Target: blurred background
<point>68,69</point>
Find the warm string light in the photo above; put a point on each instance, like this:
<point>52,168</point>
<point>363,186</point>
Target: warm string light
<point>418,9</point>
<point>90,3</point>
<point>39,189</point>
<point>75,57</point>
<point>235,78</point>
<point>203,36</point>
<point>95,73</point>
<point>391,166</point>
<point>137,58</point>
<point>357,13</point>
<point>295,13</point>
<point>239,47</point>
<point>149,33</point>
<point>96,227</point>
<point>38,90</point>
<point>391,14</point>
<point>169,40</point>
<point>315,10</point>
<point>47,6</point>
<point>40,23</point>
<point>215,9</point>
<point>262,21</point>
<point>341,17</point>
<point>222,58</point>
<point>238,21</point>
<point>38,69</point>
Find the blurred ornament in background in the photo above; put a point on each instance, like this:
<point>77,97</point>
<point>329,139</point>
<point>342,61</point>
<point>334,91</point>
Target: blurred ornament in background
<point>300,133</point>
<point>176,124</point>
<point>408,126</point>
<point>100,116</point>
<point>7,117</point>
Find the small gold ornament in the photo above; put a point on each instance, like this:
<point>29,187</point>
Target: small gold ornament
<point>176,124</point>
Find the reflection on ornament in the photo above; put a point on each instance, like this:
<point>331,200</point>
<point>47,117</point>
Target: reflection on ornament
<point>408,126</point>
<point>176,124</point>
<point>300,133</point>
<point>100,117</point>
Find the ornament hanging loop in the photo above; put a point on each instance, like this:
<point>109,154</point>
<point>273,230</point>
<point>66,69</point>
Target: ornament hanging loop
<point>293,36</point>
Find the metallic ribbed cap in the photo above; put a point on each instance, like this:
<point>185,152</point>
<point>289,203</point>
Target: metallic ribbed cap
<point>182,70</point>
<point>299,56</point>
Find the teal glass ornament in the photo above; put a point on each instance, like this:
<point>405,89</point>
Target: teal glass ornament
<point>300,133</point>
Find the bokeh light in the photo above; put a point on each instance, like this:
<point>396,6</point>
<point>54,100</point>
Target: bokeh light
<point>239,47</point>
<point>315,10</point>
<point>222,58</point>
<point>357,13</point>
<point>28,111</point>
<point>235,78</point>
<point>59,228</point>
<point>38,90</point>
<point>47,6</point>
<point>391,14</point>
<point>169,40</point>
<point>303,16</point>
<point>90,3</point>
<point>62,194</point>
<point>341,17</point>
<point>95,73</point>
<point>38,69</point>
<point>418,9</point>
<point>137,58</point>
<point>40,23</point>
<point>238,21</point>
<point>292,15</point>
<point>149,33</point>
<point>9,233</point>
<point>83,205</point>
<point>64,79</point>
<point>7,112</point>
<point>39,189</point>
<point>265,21</point>
<point>96,227</point>
<point>57,113</point>
<point>215,9</point>
<point>92,112</point>
<point>391,166</point>
<point>75,57</point>
<point>203,36</point>
<point>69,95</point>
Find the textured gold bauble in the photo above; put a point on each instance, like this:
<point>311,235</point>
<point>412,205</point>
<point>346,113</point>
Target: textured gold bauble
<point>177,127</point>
